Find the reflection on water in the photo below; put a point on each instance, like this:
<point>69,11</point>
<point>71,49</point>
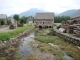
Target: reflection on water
<point>68,57</point>
<point>24,47</point>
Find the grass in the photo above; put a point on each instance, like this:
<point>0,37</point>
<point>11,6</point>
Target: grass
<point>7,35</point>
<point>31,56</point>
<point>3,58</point>
<point>66,47</point>
<point>73,35</point>
<point>18,55</point>
<point>57,24</point>
<point>45,39</point>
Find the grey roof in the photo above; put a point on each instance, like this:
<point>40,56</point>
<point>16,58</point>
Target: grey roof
<point>49,15</point>
<point>3,16</point>
<point>29,19</point>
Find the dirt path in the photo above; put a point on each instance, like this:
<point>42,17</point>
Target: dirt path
<point>5,29</point>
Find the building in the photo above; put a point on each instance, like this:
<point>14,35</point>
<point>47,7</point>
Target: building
<point>30,21</point>
<point>3,17</point>
<point>44,20</point>
<point>11,20</point>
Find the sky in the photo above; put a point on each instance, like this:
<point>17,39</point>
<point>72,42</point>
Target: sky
<point>10,7</point>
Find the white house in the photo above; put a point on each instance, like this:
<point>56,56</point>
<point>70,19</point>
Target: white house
<point>3,17</point>
<point>30,21</point>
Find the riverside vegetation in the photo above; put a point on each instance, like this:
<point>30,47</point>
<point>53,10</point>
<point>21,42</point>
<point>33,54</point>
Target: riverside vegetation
<point>8,35</point>
<point>63,47</point>
<point>11,52</point>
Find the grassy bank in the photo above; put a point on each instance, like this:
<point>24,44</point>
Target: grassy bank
<point>57,24</point>
<point>68,48</point>
<point>7,35</point>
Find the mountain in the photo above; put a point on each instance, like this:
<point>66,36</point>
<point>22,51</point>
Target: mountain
<point>30,12</point>
<point>70,13</point>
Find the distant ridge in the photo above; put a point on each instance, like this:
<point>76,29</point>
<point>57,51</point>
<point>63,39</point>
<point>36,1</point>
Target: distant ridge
<point>71,13</point>
<point>30,12</point>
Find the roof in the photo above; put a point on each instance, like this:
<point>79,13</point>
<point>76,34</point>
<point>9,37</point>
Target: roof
<point>3,16</point>
<point>44,16</point>
<point>30,19</point>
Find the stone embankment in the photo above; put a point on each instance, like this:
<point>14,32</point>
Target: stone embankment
<point>67,37</point>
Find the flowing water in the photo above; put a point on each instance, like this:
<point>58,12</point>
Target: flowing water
<point>68,57</point>
<point>24,47</point>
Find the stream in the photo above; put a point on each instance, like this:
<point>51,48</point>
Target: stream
<point>25,48</point>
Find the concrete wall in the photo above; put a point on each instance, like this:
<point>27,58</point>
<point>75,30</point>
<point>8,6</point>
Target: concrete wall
<point>67,37</point>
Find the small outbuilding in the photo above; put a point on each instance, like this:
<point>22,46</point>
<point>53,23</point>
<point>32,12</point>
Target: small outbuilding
<point>4,18</point>
<point>30,21</point>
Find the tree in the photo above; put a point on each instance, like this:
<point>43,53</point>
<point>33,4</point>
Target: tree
<point>2,22</point>
<point>16,17</point>
<point>59,19</point>
<point>23,19</point>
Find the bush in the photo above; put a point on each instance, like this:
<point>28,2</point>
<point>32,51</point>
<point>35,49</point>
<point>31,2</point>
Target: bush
<point>2,22</point>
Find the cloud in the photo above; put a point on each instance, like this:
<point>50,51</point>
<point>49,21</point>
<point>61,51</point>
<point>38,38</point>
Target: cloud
<point>17,6</point>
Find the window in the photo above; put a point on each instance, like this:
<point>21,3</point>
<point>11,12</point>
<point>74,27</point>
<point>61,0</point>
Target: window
<point>43,22</point>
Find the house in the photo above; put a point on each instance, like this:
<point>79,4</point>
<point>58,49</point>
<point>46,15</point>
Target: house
<point>4,18</point>
<point>29,20</point>
<point>11,20</point>
<point>44,20</point>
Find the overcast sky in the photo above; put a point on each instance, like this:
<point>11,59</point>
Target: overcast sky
<point>10,7</point>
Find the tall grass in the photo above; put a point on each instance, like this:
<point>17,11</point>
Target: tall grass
<point>46,39</point>
<point>7,35</point>
<point>66,47</point>
<point>57,24</point>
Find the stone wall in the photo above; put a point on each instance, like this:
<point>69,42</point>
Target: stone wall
<point>44,23</point>
<point>67,37</point>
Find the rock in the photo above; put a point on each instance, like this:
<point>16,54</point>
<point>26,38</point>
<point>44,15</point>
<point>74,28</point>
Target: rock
<point>4,41</point>
<point>78,47</point>
<point>61,29</point>
<point>35,45</point>
<point>56,46</point>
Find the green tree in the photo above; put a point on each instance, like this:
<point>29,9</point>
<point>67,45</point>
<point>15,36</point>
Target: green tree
<point>2,22</point>
<point>16,17</point>
<point>23,19</point>
<point>59,19</point>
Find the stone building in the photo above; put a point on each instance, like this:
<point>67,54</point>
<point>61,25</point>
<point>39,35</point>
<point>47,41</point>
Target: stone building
<point>44,20</point>
<point>3,17</point>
